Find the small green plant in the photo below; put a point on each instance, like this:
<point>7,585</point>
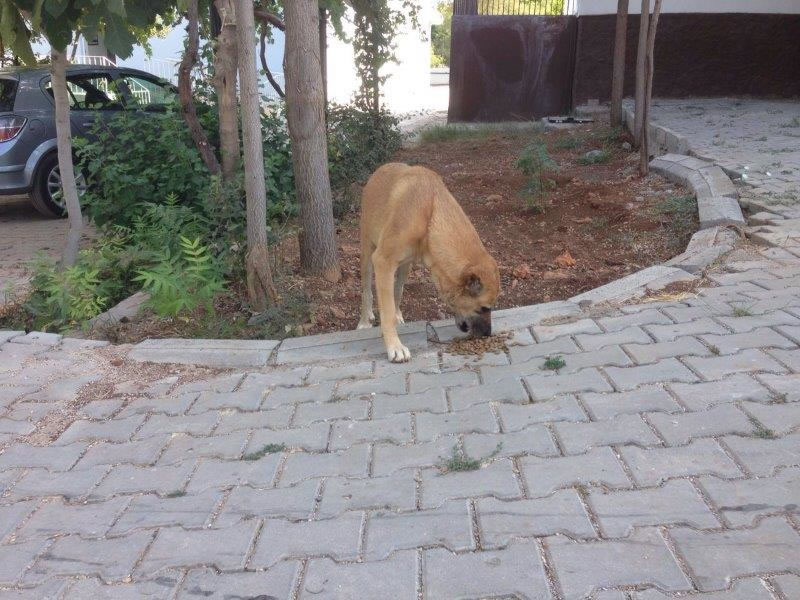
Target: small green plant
<point>554,363</point>
<point>337,398</point>
<point>742,311</point>
<point>714,350</point>
<point>459,461</point>
<point>595,157</point>
<point>607,136</point>
<point>263,451</point>
<point>679,215</point>
<point>176,494</point>
<point>569,142</point>
<point>760,431</point>
<point>534,162</point>
<point>182,281</point>
<point>780,398</point>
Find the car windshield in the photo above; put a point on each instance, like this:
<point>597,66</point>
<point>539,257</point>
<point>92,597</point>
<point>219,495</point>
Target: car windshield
<point>8,90</point>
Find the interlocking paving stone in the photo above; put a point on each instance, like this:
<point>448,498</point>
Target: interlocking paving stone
<point>749,323</point>
<point>89,520</point>
<point>419,382</point>
<point>779,418</point>
<point>392,578</point>
<point>455,362</point>
<point>650,353</point>
<point>53,458</point>
<point>648,316</point>
<point>789,585</point>
<point>478,419</point>
<point>111,560</point>
<point>14,558</point>
<point>351,370</point>
<point>311,412</point>
<point>195,424</point>
<point>676,502</point>
<point>630,335</point>
<point>448,526</point>
<point>273,377</point>
<point>185,447</point>
<point>702,456</point>
<point>522,354</point>
<point>276,582</point>
<point>336,538</point>
<point>546,386</point>
<point>213,473</point>
<point>562,408</point>
<point>282,396</point>
<point>641,559</point>
<point>500,521</point>
<point>531,440</point>
<point>577,438</point>
<point>432,400</point>
<point>312,438</point>
<point>747,589</point>
<point>100,409</point>
<point>599,466</point>
<point>763,337</point>
<point>221,383</point>
<point>348,463</point>
<point>742,501</point>
<point>516,571</point>
<point>786,386</point>
<point>746,361</point>
<point>395,492</point>
<point>12,515</point>
<point>16,428</point>
<point>678,429</point>
<point>216,400</point>
<point>149,510</point>
<point>72,484</point>
<point>645,399</point>
<point>545,333</point>
<point>49,590</point>
<point>389,458</point>
<point>175,404</point>
<point>395,429</point>
<point>508,391</point>
<point>388,384</point>
<point>128,479</point>
<point>140,452</point>
<point>702,396</point>
<point>668,333</point>
<point>762,457</point>
<point>717,557</point>
<point>495,479</point>
<point>245,502</point>
<point>276,418</point>
<point>791,358</point>
<point>175,547</point>
<point>669,369</point>
<point>161,587</point>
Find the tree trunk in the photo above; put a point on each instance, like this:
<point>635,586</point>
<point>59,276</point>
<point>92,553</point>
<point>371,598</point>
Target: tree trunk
<point>225,84</point>
<point>323,54</point>
<point>644,152</point>
<point>306,115</point>
<point>618,78</point>
<point>641,88</point>
<point>185,91</point>
<point>64,143</point>
<point>265,66</point>
<point>260,287</point>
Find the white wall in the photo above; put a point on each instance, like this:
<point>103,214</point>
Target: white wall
<point>605,7</point>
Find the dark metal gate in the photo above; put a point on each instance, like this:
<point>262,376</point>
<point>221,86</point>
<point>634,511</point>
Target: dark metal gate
<point>511,59</point>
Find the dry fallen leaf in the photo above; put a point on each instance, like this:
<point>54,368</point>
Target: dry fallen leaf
<point>565,259</point>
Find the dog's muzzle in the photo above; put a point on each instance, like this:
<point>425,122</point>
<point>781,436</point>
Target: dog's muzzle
<point>479,325</point>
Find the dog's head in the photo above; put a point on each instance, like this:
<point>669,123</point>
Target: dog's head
<point>475,296</point>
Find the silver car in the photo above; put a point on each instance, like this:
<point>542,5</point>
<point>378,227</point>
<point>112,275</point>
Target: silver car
<point>28,159</point>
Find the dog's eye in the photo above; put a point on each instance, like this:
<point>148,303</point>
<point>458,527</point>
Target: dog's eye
<point>485,309</point>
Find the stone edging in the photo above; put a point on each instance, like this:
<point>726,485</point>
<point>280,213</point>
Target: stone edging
<point>718,209</point>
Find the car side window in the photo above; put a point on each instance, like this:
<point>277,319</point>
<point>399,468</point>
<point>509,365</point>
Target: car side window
<point>91,91</point>
<point>148,94</point>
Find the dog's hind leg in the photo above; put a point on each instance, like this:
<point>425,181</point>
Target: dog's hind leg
<point>399,281</point>
<point>367,315</point>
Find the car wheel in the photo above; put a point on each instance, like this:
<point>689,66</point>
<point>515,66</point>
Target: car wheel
<point>47,196</point>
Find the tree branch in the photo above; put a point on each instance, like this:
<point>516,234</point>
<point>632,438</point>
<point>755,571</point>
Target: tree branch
<point>265,66</point>
<point>267,17</point>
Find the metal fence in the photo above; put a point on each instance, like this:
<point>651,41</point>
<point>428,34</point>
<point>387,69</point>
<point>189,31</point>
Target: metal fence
<point>514,7</point>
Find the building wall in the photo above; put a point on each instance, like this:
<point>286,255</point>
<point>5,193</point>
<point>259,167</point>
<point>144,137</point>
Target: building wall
<point>607,7</point>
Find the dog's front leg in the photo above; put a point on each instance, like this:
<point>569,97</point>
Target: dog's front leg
<point>384,284</point>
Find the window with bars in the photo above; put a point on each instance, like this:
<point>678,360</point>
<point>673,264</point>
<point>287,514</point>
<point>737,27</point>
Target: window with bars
<point>514,7</point>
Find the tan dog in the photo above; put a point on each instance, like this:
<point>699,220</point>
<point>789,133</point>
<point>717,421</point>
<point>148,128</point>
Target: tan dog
<point>408,216</point>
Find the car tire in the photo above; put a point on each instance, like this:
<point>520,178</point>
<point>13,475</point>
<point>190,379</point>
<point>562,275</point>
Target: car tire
<point>46,195</point>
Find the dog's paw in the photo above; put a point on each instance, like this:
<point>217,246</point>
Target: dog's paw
<point>398,317</point>
<point>398,353</point>
<point>364,325</point>
<point>366,321</point>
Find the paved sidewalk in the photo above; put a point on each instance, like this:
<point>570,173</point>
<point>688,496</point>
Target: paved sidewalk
<point>662,459</point>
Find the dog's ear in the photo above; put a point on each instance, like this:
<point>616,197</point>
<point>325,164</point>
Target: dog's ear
<point>471,283</point>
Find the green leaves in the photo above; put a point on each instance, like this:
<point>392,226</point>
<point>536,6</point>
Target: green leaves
<point>15,32</point>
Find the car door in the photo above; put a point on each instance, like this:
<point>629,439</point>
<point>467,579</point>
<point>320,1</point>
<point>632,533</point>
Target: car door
<point>93,96</point>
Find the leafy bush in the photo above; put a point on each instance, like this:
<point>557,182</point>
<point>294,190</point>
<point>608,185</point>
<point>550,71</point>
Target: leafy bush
<point>534,163</point>
<point>182,281</point>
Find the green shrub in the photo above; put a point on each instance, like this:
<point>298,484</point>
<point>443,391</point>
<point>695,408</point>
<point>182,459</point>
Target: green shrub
<point>534,163</point>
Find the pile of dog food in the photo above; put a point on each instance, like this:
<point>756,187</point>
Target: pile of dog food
<point>470,346</point>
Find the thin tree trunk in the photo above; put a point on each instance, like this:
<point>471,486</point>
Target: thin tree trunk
<point>64,143</point>
<point>306,116</point>
<point>75,47</point>
<point>641,87</point>
<point>260,286</point>
<point>265,66</point>
<point>644,152</point>
<point>185,91</point>
<point>225,83</point>
<point>618,78</point>
<point>323,54</point>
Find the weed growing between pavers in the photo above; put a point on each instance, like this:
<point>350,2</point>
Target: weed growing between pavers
<point>337,398</point>
<point>267,449</point>
<point>780,398</point>
<point>176,494</point>
<point>460,461</point>
<point>714,350</point>
<point>742,311</point>
<point>554,363</point>
<point>760,431</point>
